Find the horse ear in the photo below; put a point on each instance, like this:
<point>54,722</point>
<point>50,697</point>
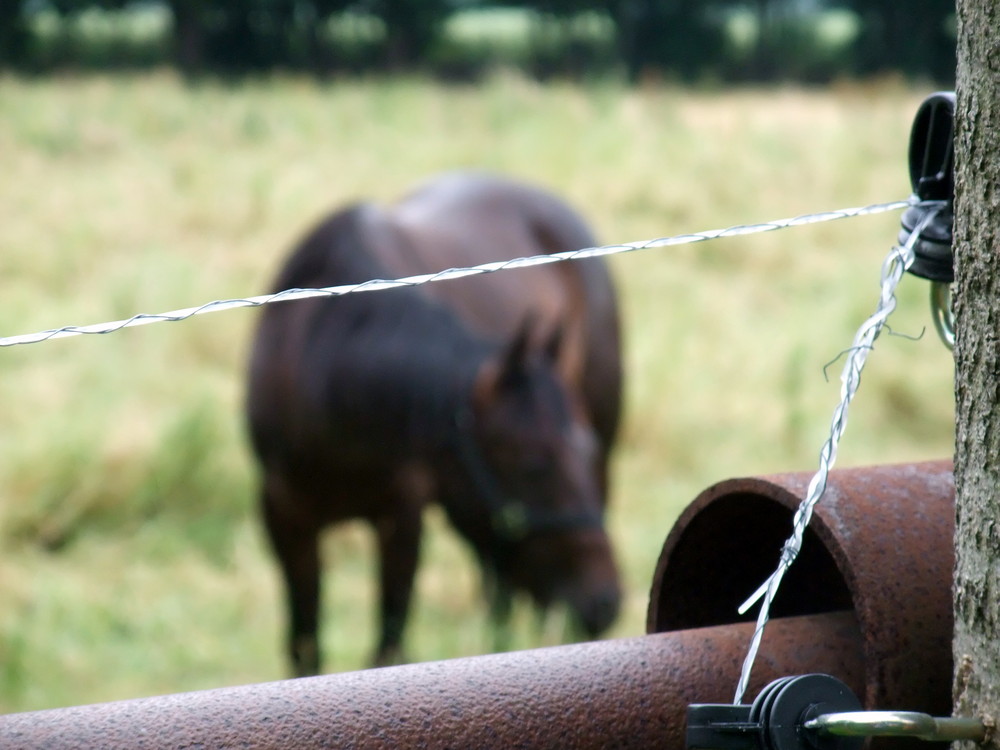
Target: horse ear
<point>515,355</point>
<point>554,345</point>
<point>504,372</point>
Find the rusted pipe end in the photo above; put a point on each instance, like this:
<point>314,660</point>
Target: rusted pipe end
<point>880,545</point>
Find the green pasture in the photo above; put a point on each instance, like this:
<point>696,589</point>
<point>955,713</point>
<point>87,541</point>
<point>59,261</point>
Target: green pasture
<point>131,561</point>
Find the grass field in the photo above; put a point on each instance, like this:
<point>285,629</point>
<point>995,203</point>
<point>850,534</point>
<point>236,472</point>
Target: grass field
<point>131,562</point>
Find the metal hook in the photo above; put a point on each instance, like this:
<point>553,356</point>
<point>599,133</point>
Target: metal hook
<point>942,312</point>
<point>898,724</point>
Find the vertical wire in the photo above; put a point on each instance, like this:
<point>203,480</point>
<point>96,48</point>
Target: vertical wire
<point>895,264</point>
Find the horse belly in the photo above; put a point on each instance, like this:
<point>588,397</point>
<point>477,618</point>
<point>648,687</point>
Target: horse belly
<point>332,490</point>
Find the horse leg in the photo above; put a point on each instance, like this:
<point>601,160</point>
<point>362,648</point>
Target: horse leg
<point>296,545</point>
<point>398,536</point>
<point>499,596</point>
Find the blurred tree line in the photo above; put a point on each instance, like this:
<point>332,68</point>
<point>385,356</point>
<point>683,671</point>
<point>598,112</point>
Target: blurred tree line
<point>721,40</point>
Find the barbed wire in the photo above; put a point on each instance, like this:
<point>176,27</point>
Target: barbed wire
<point>895,264</point>
<point>452,273</point>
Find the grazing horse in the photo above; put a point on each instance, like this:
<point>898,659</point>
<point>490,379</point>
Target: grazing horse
<point>497,396</point>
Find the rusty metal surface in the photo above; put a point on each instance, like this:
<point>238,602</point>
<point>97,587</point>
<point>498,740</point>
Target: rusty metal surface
<point>880,544</point>
<point>624,693</point>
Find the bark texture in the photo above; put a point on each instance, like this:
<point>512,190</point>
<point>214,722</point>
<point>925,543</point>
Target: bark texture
<point>977,360</point>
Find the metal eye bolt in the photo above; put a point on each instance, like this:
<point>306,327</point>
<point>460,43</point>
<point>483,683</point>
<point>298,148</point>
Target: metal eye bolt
<point>898,724</point>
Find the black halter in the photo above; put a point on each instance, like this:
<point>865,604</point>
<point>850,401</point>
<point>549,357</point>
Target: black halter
<point>511,518</point>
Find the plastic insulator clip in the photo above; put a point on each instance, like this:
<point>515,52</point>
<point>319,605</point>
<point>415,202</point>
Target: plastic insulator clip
<point>932,177</point>
<point>776,719</point>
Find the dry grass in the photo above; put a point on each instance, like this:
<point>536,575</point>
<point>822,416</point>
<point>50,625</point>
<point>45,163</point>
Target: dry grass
<point>131,559</point>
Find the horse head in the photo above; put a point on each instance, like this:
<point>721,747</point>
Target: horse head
<point>528,458</point>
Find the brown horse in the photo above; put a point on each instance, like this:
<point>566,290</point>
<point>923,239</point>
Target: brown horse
<point>497,396</point>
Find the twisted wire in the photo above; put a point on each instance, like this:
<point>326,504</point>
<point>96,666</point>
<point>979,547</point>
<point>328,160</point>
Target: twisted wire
<point>452,273</point>
<point>895,264</point>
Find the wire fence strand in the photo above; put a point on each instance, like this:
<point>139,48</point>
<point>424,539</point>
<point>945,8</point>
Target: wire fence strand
<point>895,264</point>
<point>452,273</point>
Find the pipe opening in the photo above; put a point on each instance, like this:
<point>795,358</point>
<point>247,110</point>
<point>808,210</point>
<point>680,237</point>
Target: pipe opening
<point>723,553</point>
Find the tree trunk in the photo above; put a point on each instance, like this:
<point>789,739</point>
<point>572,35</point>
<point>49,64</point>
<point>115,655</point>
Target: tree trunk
<point>14,34</point>
<point>977,361</point>
<point>189,34</point>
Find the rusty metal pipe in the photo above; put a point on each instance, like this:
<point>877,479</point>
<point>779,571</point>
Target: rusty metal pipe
<point>880,544</point>
<point>621,693</point>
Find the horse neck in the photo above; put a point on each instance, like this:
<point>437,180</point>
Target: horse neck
<point>420,372</point>
<point>432,351</point>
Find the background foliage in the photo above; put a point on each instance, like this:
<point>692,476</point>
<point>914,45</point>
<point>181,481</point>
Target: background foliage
<point>131,559</point>
<point>692,40</point>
